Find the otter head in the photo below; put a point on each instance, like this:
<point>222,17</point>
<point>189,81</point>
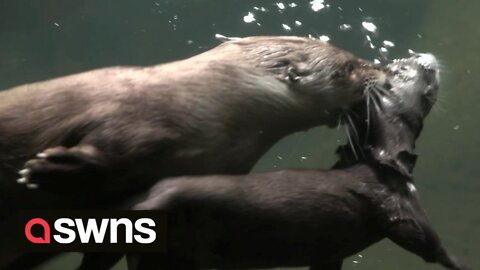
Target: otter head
<point>416,81</point>
<point>388,124</point>
<point>322,79</point>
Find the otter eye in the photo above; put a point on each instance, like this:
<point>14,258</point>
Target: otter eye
<point>349,67</point>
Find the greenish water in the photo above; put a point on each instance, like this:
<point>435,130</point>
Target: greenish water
<point>50,38</point>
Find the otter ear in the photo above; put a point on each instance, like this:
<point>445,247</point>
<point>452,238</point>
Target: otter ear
<point>295,73</point>
<point>290,73</point>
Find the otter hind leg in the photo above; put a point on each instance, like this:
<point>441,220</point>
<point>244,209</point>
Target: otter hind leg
<point>58,168</point>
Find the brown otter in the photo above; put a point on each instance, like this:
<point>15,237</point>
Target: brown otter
<point>105,134</point>
<point>311,217</point>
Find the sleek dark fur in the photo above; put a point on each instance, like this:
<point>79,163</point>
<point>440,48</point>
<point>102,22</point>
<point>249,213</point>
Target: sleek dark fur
<point>311,217</point>
<point>106,134</point>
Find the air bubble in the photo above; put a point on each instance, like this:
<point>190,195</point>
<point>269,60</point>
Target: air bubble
<point>317,5</point>
<point>370,27</point>
<point>286,27</point>
<point>345,27</point>
<point>249,18</point>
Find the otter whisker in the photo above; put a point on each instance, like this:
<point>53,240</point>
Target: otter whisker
<point>378,96</point>
<point>352,126</point>
<point>440,104</point>
<point>356,134</point>
<point>385,92</point>
<point>352,135</point>
<point>340,120</point>
<point>431,100</point>
<point>350,142</point>
<point>376,104</point>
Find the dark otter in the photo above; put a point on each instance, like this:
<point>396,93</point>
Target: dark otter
<point>106,134</point>
<point>311,217</point>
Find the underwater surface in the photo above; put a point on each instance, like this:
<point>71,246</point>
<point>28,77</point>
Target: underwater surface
<point>50,38</point>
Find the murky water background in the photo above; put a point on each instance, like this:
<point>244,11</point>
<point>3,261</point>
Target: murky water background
<point>50,38</point>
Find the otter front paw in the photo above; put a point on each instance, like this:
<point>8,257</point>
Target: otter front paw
<point>62,169</point>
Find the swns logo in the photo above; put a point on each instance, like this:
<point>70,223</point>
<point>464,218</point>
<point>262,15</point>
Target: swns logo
<point>89,231</point>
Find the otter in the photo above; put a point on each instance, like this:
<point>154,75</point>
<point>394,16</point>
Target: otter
<point>93,139</point>
<point>312,217</point>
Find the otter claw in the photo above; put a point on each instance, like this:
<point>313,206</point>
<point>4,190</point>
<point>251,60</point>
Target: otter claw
<point>22,180</point>
<point>24,172</point>
<point>32,186</point>
<point>42,155</point>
